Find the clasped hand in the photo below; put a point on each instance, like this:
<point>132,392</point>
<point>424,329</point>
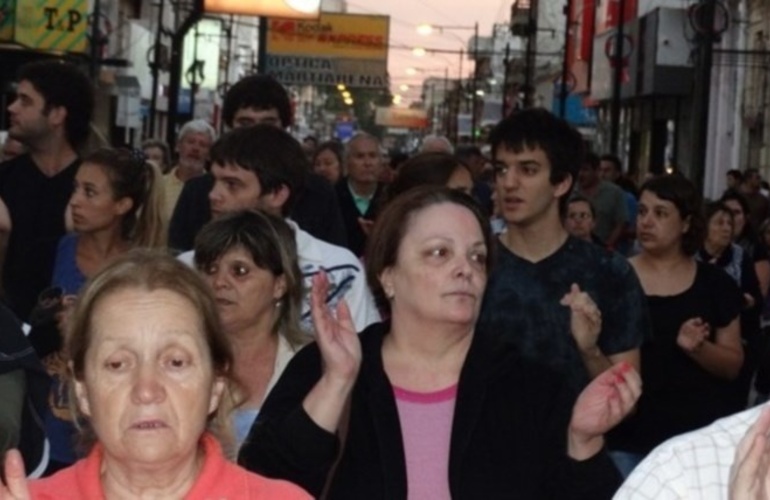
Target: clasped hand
<point>585,318</point>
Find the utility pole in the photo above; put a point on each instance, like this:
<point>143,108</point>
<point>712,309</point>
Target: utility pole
<point>507,64</point>
<point>96,40</point>
<point>156,70</point>
<point>706,36</point>
<point>262,48</point>
<point>474,83</point>
<point>564,91</point>
<point>175,69</point>
<point>617,80</point>
<point>529,57</point>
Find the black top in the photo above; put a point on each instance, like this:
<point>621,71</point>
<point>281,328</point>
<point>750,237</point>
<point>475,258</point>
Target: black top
<point>316,211</point>
<point>37,204</point>
<point>508,435</point>
<point>679,395</point>
<point>738,264</point>
<point>350,215</point>
<point>522,304</point>
<point>17,354</point>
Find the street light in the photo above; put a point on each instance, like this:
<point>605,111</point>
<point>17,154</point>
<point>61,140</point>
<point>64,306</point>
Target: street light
<point>427,29</point>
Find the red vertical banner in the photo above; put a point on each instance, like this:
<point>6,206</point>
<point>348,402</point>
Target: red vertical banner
<point>608,14</point>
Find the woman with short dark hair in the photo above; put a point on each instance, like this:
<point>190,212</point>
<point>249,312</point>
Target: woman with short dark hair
<point>695,349</point>
<point>426,406</point>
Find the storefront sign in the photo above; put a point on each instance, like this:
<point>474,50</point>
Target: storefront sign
<point>401,117</point>
<point>46,25</point>
<point>337,48</point>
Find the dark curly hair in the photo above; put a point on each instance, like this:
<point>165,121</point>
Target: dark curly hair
<point>63,85</point>
<point>261,92</point>
<point>688,201</point>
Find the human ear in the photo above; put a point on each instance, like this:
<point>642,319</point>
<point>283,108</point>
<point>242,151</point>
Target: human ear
<point>275,200</point>
<point>81,395</point>
<point>216,394</point>
<point>57,115</point>
<point>386,281</point>
<point>279,287</point>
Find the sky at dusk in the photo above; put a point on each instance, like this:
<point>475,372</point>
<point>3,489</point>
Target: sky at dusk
<point>406,15</point>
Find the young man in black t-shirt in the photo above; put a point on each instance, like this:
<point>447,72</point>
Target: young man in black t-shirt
<point>542,274</point>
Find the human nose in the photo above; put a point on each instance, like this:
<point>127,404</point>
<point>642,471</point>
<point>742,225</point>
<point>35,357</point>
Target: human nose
<point>215,194</point>
<point>643,219</point>
<point>75,198</point>
<point>509,179</point>
<point>147,387</point>
<point>217,278</point>
<point>13,106</point>
<point>464,266</point>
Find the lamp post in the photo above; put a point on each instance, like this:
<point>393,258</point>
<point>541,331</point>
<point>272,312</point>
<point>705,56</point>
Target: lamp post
<point>617,81</point>
<point>427,29</point>
<point>429,96</point>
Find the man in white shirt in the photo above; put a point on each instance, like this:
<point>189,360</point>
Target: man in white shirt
<point>693,466</point>
<point>263,168</point>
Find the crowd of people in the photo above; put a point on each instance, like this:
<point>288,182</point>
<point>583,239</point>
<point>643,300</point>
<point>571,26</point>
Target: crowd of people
<point>255,316</point>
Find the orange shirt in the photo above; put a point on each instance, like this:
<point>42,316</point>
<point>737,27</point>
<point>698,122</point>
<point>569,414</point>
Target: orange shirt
<point>219,479</point>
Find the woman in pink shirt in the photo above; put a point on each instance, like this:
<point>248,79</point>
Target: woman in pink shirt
<point>428,406</point>
<point>151,375</point>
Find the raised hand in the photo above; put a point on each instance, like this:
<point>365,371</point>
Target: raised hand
<point>63,317</point>
<point>692,334</point>
<point>341,355</point>
<point>15,487</point>
<point>750,472</point>
<point>585,318</point>
<point>602,405</point>
<point>335,334</point>
<point>366,225</point>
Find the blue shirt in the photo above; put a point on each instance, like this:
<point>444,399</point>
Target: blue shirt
<point>65,272</point>
<point>59,427</point>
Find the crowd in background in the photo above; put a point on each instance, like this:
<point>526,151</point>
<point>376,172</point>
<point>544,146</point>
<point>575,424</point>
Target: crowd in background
<point>520,319</point>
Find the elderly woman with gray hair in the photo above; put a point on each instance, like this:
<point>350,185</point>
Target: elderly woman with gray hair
<point>151,374</point>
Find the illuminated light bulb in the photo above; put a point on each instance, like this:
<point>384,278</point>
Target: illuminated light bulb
<point>304,5</point>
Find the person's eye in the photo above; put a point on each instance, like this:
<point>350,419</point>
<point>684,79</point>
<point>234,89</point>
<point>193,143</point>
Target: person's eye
<point>178,362</point>
<point>240,270</point>
<point>438,252</point>
<point>116,365</point>
<point>528,170</point>
<point>479,258</point>
<point>500,168</point>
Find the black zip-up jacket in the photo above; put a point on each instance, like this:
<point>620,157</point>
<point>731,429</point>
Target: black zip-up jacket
<point>508,436</point>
